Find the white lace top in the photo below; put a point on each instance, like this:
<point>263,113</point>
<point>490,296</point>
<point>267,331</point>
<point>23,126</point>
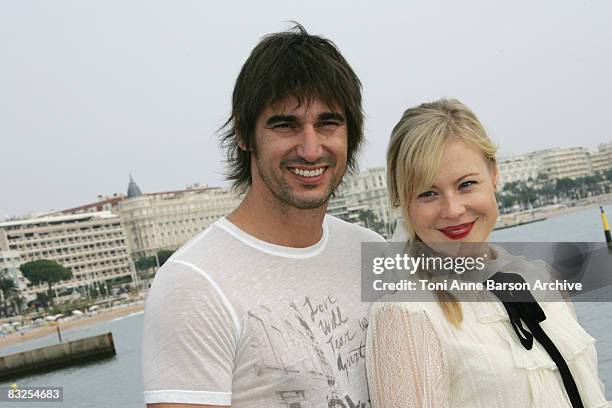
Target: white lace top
<point>416,358</point>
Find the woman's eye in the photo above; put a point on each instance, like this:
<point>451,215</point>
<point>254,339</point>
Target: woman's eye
<point>466,184</point>
<point>427,194</point>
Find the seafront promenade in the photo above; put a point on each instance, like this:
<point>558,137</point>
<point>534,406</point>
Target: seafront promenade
<point>103,315</point>
<point>541,213</point>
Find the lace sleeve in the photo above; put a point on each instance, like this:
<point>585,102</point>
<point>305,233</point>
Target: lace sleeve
<point>405,360</point>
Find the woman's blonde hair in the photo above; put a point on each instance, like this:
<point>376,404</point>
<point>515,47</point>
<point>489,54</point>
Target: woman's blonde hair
<point>413,158</point>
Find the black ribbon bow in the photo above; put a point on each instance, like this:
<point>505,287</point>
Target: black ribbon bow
<point>529,311</point>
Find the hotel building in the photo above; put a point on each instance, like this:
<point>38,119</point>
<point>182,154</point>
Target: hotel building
<point>601,160</point>
<point>571,162</point>
<point>92,245</point>
<point>517,168</point>
<point>167,220</point>
<point>360,192</point>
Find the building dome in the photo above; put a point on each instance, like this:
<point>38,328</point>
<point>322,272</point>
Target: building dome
<point>133,189</point>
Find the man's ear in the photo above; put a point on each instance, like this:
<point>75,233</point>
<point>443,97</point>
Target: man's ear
<point>241,143</point>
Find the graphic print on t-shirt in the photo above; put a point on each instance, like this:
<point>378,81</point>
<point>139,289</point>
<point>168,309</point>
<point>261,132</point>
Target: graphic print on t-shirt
<point>314,346</point>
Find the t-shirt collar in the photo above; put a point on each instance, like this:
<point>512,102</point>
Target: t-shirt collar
<point>273,249</point>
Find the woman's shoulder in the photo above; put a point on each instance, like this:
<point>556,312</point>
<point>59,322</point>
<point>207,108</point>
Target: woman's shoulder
<point>410,322</point>
<point>534,271</point>
<point>393,304</point>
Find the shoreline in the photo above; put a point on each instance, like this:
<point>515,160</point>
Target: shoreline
<point>553,211</point>
<point>560,211</point>
<point>38,332</point>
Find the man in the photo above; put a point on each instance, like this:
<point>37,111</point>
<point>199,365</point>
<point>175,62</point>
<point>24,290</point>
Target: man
<point>263,308</point>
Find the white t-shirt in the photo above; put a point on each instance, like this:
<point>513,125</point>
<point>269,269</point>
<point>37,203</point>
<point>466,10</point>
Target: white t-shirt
<point>231,319</point>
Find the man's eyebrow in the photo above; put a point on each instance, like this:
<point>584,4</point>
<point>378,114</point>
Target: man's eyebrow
<point>280,118</point>
<point>331,116</point>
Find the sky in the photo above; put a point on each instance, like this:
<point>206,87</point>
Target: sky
<point>91,91</point>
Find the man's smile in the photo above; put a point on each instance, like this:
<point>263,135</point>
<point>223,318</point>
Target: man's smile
<point>307,172</point>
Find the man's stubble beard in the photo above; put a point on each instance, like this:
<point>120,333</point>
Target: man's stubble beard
<point>286,195</point>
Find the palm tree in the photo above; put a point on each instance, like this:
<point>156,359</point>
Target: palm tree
<point>8,288</point>
<point>17,301</point>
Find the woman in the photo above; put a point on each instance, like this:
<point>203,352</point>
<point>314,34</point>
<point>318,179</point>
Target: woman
<point>442,174</point>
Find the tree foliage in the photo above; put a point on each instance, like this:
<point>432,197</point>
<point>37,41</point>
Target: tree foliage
<point>7,285</point>
<point>45,271</point>
<point>146,263</point>
<point>370,220</point>
<point>545,191</point>
<point>9,290</point>
<point>163,256</point>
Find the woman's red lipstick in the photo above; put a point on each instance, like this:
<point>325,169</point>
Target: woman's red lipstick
<point>457,231</point>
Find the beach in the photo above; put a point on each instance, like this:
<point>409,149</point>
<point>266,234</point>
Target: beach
<point>541,213</point>
<point>591,202</point>
<point>101,316</point>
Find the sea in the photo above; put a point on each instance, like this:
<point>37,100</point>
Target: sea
<point>116,382</point>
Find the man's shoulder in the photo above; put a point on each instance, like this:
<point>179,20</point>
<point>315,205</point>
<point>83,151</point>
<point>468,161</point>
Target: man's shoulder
<point>198,263</point>
<point>213,239</point>
<point>354,231</point>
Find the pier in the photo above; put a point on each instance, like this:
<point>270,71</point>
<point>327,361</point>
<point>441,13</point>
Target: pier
<point>516,219</point>
<point>57,356</point>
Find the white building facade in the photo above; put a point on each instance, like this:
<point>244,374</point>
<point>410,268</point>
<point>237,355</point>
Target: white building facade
<point>601,159</point>
<point>93,246</point>
<point>554,164</point>
<point>362,192</point>
<point>167,220</point>
<point>517,168</point>
<point>570,162</point>
<point>9,263</point>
